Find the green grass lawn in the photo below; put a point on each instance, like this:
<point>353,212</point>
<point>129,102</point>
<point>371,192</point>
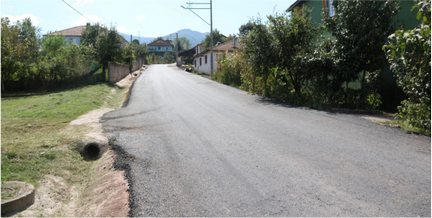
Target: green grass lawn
<point>34,137</point>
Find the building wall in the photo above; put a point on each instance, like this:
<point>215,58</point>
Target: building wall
<point>405,16</point>
<point>160,48</point>
<point>316,7</point>
<point>408,18</point>
<point>205,67</point>
<point>73,39</point>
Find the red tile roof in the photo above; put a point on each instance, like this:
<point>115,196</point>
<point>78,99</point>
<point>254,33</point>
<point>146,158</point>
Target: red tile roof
<point>74,31</point>
<point>161,42</point>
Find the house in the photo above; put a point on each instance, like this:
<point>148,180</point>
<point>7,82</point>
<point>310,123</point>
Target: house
<point>186,56</point>
<point>390,93</point>
<point>202,57</point>
<point>160,45</point>
<point>73,35</point>
<point>405,15</point>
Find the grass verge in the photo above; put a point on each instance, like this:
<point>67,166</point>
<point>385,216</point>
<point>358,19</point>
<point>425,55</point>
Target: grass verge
<point>34,138</point>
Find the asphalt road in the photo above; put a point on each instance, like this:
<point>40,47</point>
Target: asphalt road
<point>199,148</point>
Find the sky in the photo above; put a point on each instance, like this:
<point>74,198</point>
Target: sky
<point>145,18</point>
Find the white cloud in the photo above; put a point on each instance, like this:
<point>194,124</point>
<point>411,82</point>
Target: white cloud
<point>83,20</point>
<point>82,2</point>
<point>122,29</point>
<point>140,17</point>
<point>35,20</point>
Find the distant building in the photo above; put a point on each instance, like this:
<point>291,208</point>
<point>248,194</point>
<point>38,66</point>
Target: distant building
<point>73,35</point>
<point>405,15</point>
<point>160,45</point>
<point>202,57</point>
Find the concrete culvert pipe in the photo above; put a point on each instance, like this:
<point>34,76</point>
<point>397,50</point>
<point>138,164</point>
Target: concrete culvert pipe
<point>92,149</point>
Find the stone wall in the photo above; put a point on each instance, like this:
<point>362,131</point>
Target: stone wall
<point>116,72</point>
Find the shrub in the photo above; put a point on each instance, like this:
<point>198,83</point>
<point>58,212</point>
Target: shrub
<point>409,55</point>
<point>229,69</point>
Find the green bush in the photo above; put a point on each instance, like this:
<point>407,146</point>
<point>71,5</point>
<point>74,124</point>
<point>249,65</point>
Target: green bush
<point>416,115</point>
<point>409,55</point>
<point>229,69</point>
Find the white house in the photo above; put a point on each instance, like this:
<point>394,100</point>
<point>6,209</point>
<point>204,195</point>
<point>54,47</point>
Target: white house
<point>73,35</point>
<point>202,57</point>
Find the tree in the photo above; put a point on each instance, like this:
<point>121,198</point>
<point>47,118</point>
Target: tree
<point>293,45</point>
<point>258,51</point>
<point>168,58</point>
<point>108,46</point>
<point>140,50</point>
<point>19,50</point>
<point>90,35</point>
<point>183,44</point>
<point>409,55</point>
<point>246,28</point>
<point>29,36</point>
<point>135,41</point>
<point>9,50</point>
<point>52,43</point>
<point>217,37</point>
<point>360,28</point>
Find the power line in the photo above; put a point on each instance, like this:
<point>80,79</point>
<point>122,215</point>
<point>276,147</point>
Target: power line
<point>78,11</point>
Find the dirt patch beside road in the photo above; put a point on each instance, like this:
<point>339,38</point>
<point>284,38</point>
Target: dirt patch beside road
<point>103,192</point>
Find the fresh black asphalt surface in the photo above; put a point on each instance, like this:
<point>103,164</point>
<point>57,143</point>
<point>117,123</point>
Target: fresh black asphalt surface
<point>194,147</point>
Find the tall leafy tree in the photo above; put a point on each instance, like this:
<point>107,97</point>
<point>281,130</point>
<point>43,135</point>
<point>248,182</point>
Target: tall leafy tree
<point>135,41</point>
<point>90,35</point>
<point>360,28</point>
<point>108,47</point>
<point>217,37</point>
<point>183,44</point>
<point>294,42</point>
<point>29,37</point>
<point>259,52</point>
<point>19,50</point>
<point>52,43</point>
<point>9,50</point>
<point>246,28</point>
<point>140,50</point>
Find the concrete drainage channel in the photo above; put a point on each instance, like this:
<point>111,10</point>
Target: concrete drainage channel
<point>23,196</point>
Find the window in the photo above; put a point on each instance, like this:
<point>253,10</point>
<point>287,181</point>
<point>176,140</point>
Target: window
<point>160,48</point>
<point>195,63</point>
<point>200,61</point>
<point>330,7</point>
<point>206,59</point>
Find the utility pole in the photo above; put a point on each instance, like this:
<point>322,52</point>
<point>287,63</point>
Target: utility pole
<point>211,39</point>
<point>177,50</point>
<point>210,24</point>
<point>130,59</point>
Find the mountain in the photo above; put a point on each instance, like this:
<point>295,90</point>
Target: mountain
<point>194,37</point>
<point>141,39</point>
